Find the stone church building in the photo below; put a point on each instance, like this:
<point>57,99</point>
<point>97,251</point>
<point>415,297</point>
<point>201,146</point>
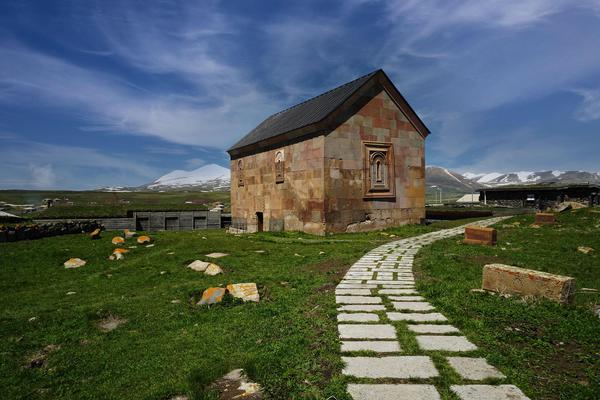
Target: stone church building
<point>351,159</point>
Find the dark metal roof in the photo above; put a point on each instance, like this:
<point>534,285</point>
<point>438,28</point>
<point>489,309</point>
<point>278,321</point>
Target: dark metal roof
<point>541,186</point>
<point>303,114</point>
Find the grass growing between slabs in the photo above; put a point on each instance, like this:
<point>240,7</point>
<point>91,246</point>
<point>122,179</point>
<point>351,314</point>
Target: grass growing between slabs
<point>51,346</point>
<point>549,351</point>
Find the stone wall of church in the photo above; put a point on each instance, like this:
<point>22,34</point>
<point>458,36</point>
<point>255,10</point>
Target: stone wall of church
<point>296,204</point>
<point>346,207</point>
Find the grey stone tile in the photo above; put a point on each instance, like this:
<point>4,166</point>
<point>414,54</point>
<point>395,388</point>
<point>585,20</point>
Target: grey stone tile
<point>416,317</point>
<point>445,343</point>
<point>357,299</point>
<point>379,346</point>
<point>393,392</point>
<point>413,305</point>
<point>355,292</point>
<point>397,291</point>
<point>366,331</point>
<point>362,307</point>
<point>475,369</point>
<point>436,329</point>
<point>488,392</point>
<point>401,367</point>
<point>407,298</point>
<point>357,317</point>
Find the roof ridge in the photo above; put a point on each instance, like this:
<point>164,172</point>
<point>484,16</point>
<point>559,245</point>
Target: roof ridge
<point>324,93</point>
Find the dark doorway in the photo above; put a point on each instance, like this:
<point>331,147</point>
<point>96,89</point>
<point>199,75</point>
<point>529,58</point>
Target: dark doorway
<point>171,223</point>
<point>259,221</point>
<point>142,224</point>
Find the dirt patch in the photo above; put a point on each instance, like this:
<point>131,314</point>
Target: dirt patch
<point>235,385</point>
<point>110,323</point>
<point>334,268</point>
<point>38,359</point>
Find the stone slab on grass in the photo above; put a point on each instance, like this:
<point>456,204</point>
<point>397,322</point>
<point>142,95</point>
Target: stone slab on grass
<point>357,300</point>
<point>366,331</point>
<point>527,282</point>
<point>445,343</point>
<point>413,305</point>
<point>357,317</point>
<point>400,367</point>
<point>393,391</point>
<point>416,317</point>
<point>475,369</point>
<point>355,286</point>
<point>359,292</point>
<point>488,392</point>
<point>386,290</point>
<point>407,298</point>
<point>432,328</point>
<point>362,307</point>
<point>379,346</point>
<point>217,255</point>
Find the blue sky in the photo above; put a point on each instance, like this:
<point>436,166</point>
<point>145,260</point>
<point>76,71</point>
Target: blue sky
<point>121,92</point>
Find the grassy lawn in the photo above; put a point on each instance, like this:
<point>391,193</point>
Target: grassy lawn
<point>288,342</point>
<point>91,204</point>
<point>549,351</point>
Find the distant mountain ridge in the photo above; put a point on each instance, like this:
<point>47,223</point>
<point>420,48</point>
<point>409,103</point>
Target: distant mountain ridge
<point>468,182</point>
<point>211,177</point>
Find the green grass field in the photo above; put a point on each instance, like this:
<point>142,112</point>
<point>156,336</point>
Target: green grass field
<point>90,204</point>
<point>288,341</point>
<point>548,350</point>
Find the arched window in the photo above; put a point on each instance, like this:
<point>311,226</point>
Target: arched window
<point>279,167</point>
<point>379,170</point>
<point>240,172</point>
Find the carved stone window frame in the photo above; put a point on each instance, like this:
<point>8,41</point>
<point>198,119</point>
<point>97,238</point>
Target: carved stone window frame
<point>379,170</point>
<point>240,172</point>
<point>279,166</point>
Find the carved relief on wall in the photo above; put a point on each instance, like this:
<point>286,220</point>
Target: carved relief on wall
<point>379,170</point>
<point>279,167</point>
<point>240,173</point>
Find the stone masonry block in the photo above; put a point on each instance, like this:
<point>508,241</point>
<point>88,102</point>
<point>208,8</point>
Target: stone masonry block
<point>480,235</point>
<point>526,282</point>
<point>545,218</point>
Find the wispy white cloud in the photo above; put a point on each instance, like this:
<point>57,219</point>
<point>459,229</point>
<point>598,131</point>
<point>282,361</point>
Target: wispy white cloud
<point>589,109</point>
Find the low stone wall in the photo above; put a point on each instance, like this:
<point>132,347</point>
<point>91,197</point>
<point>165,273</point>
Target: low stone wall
<point>526,282</point>
<point>38,231</point>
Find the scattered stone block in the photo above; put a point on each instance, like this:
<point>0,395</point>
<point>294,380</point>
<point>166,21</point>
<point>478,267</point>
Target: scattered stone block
<point>244,291</point>
<point>357,317</point>
<point>431,328</point>
<point>198,265</point>
<point>480,235</point>
<point>362,307</point>
<point>366,331</point>
<point>585,249</point>
<point>413,306</point>
<point>217,255</point>
<point>393,391</point>
<point>120,250</point>
<point>144,239</point>
<point>399,367</point>
<point>475,369</point>
<point>74,263</point>
<point>111,323</point>
<point>416,317</point>
<point>526,282</point>
<point>212,295</point>
<point>357,300</point>
<point>445,343</point>
<point>95,234</point>
<point>213,269</point>
<point>488,392</point>
<point>544,219</point>
<point>129,234</point>
<point>117,240</point>
<point>378,346</point>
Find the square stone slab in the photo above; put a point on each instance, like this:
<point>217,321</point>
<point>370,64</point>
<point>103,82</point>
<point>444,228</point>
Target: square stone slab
<point>445,343</point>
<point>401,367</point>
<point>488,392</point>
<point>429,328</point>
<point>358,317</point>
<point>407,298</point>
<point>393,392</point>
<point>217,255</point>
<point>366,331</point>
<point>365,292</point>
<point>413,306</point>
<point>379,346</point>
<point>357,299</point>
<point>475,369</point>
<point>355,286</point>
<point>416,317</point>
<point>362,307</point>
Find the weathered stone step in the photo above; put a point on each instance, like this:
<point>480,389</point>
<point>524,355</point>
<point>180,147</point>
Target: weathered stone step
<point>401,367</point>
<point>393,392</point>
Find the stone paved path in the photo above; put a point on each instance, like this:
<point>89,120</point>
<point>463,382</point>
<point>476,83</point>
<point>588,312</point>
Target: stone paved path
<point>379,288</point>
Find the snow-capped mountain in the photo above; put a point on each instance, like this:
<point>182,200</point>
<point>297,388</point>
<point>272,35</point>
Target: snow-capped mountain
<point>210,177</point>
<point>469,181</point>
